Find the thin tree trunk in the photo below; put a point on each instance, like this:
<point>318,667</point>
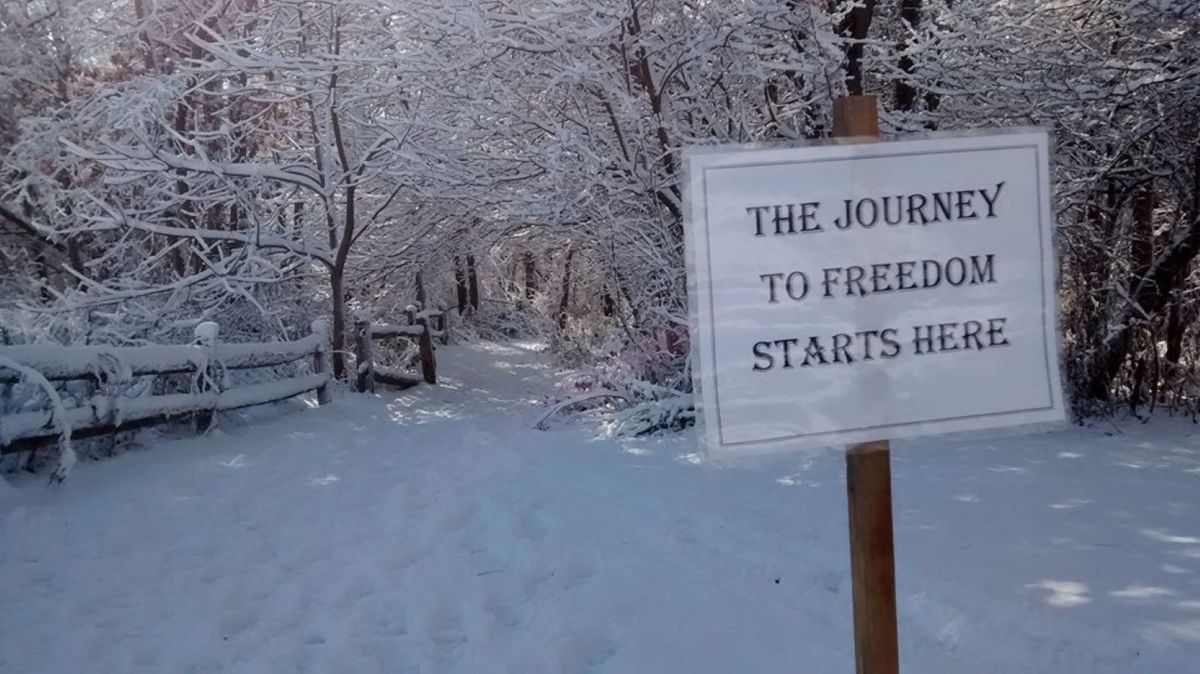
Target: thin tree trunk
<point>349,222</point>
<point>933,100</point>
<point>564,303</point>
<point>1175,330</point>
<point>338,300</point>
<point>419,282</point>
<point>910,20</point>
<point>139,10</point>
<point>472,283</point>
<point>530,277</point>
<point>297,219</point>
<point>609,306</point>
<point>1142,247</point>
<point>640,70</point>
<point>460,285</point>
<point>854,28</point>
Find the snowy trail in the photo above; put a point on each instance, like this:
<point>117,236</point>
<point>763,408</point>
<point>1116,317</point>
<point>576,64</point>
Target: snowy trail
<point>434,531</point>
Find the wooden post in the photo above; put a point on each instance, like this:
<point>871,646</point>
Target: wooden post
<point>443,323</point>
<point>855,116</point>
<point>872,557</point>
<point>321,359</point>
<point>425,342</point>
<point>869,491</point>
<point>206,378</point>
<point>364,351</point>
<point>410,314</point>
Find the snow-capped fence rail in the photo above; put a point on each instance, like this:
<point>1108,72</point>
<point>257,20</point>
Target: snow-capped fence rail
<point>420,326</point>
<point>207,360</point>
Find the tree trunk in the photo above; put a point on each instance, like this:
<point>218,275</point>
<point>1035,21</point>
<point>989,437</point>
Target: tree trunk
<point>933,100</point>
<point>1150,292</point>
<point>147,48</point>
<point>472,283</point>
<point>460,284</point>
<point>297,219</point>
<point>564,303</point>
<point>1175,329</point>
<point>338,294</point>
<point>1135,387</point>
<point>642,73</point>
<point>853,28</point>
<point>1142,244</point>
<point>1176,322</point>
<point>910,19</point>
<point>530,277</point>
<point>420,289</point>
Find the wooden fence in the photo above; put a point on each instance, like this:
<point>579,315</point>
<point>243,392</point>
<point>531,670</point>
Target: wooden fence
<point>420,326</point>
<point>207,360</point>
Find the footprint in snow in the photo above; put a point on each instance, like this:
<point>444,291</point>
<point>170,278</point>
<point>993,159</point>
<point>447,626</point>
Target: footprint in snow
<point>458,518</point>
<point>576,572</point>
<point>501,611</point>
<point>586,652</point>
<point>444,631</point>
<point>530,526</point>
<point>533,580</point>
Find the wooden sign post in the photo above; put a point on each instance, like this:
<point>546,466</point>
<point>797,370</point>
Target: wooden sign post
<point>843,293</point>
<point>872,562</point>
<point>869,490</point>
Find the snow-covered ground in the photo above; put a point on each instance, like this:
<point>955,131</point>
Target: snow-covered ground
<point>434,531</point>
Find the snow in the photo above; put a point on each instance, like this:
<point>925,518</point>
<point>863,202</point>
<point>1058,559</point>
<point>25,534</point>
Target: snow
<point>136,159</point>
<point>206,332</point>
<point>271,391</point>
<point>391,330</point>
<point>14,427</point>
<point>56,415</point>
<point>396,376</point>
<point>121,363</point>
<point>125,410</point>
<point>101,410</point>
<point>436,531</point>
<point>263,354</point>
<point>112,363</point>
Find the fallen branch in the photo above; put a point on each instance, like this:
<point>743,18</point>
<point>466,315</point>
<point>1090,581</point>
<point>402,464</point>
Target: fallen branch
<point>594,395</point>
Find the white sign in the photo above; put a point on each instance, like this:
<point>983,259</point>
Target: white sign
<point>846,293</point>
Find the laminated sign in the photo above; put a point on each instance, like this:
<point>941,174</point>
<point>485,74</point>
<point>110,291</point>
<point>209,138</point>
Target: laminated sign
<point>847,293</point>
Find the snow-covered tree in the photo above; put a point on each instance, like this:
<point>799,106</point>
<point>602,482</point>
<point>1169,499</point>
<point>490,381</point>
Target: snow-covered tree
<point>170,161</point>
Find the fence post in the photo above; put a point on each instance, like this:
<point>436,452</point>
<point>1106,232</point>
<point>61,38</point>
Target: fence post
<point>364,351</point>
<point>207,375</point>
<point>428,363</point>
<point>321,358</point>
<point>444,323</point>
<point>410,314</point>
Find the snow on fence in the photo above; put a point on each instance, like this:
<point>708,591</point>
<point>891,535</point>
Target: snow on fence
<point>421,326</point>
<point>206,360</point>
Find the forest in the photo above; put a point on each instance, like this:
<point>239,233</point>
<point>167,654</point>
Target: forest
<point>261,163</point>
